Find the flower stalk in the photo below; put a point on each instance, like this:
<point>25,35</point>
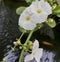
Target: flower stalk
<point>28,38</point>
<point>22,35</point>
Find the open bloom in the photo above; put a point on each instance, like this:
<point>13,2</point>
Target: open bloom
<point>37,12</point>
<point>26,20</point>
<point>41,9</point>
<point>36,53</point>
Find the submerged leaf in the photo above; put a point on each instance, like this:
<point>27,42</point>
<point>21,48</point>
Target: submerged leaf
<point>47,43</point>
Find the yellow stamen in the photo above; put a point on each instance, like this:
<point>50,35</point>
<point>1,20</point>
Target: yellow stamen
<point>27,18</point>
<point>39,11</point>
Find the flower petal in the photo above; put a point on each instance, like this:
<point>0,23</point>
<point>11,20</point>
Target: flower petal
<point>35,44</point>
<point>28,58</point>
<point>27,25</point>
<point>46,7</point>
<point>34,6</point>
<point>38,54</point>
<point>40,18</point>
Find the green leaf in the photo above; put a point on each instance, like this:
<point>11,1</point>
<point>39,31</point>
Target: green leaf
<point>51,22</point>
<point>29,1</point>
<point>20,10</point>
<point>56,10</point>
<point>58,15</point>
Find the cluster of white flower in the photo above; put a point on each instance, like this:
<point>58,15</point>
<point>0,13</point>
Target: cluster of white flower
<point>36,53</point>
<point>37,12</point>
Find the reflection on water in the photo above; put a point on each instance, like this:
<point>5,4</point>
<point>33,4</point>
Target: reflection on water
<point>48,56</point>
<point>11,56</point>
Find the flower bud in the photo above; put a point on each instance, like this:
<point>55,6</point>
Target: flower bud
<point>18,42</point>
<point>20,47</point>
<point>4,59</point>
<point>51,22</point>
<point>54,6</point>
<point>30,43</point>
<point>15,43</point>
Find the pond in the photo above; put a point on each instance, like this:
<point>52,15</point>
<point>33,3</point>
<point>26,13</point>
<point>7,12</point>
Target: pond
<point>49,39</point>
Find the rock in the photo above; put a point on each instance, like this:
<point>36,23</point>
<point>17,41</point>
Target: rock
<point>8,27</point>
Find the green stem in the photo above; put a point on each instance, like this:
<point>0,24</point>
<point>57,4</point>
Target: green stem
<point>21,55</point>
<point>22,35</point>
<point>20,39</point>
<point>28,38</point>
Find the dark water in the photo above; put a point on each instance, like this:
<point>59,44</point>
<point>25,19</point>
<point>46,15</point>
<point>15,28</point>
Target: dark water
<point>9,32</point>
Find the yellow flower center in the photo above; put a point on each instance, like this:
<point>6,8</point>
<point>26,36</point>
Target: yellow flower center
<point>39,11</point>
<point>27,18</point>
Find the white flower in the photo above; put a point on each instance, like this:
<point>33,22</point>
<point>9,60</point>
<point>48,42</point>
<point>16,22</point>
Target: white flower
<point>37,12</point>
<point>36,53</point>
<point>26,20</point>
<point>41,9</point>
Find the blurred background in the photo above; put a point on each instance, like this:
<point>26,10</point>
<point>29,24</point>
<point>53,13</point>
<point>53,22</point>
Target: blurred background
<point>9,31</point>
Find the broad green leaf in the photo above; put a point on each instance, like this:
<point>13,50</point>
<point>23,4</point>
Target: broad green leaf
<point>51,22</point>
<point>58,15</point>
<point>20,10</point>
<point>29,1</point>
<point>56,10</point>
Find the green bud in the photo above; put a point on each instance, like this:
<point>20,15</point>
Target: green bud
<point>18,42</point>
<point>51,22</point>
<point>20,47</point>
<point>54,6</point>
<point>15,43</point>
<point>4,59</point>
<point>39,26</point>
